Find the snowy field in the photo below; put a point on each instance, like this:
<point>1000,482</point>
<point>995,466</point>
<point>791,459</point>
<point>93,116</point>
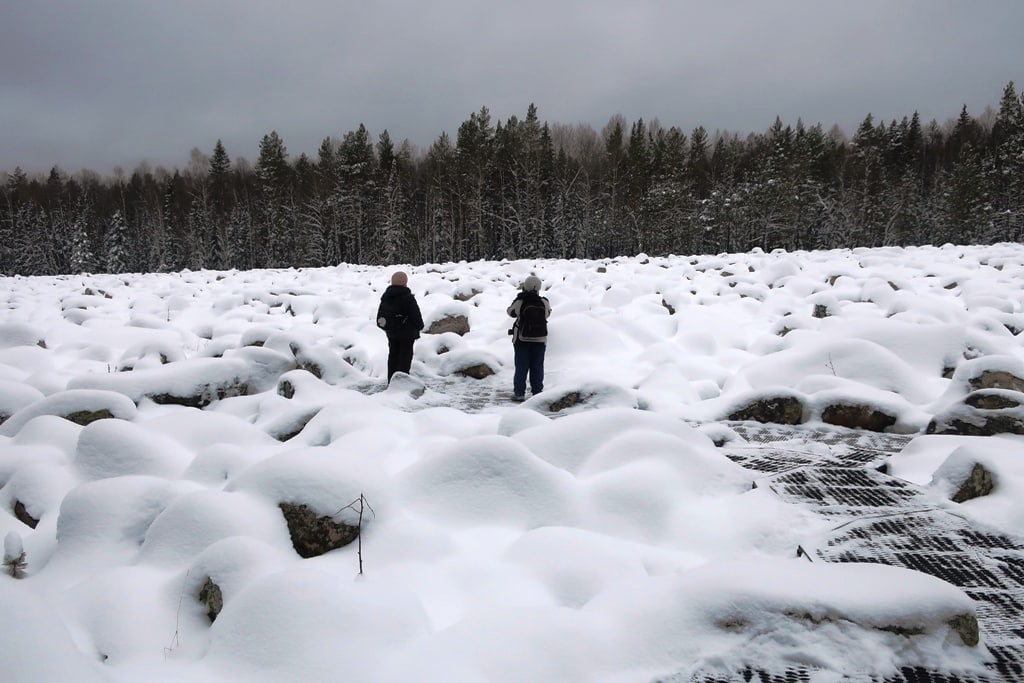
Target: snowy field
<point>594,533</point>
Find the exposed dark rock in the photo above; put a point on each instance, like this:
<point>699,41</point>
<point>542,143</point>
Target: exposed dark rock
<point>207,395</point>
<point>286,389</point>
<point>573,398</point>
<point>312,367</point>
<point>459,324</point>
<point>466,296</point>
<point>314,534</point>
<point>978,483</point>
<point>969,421</point>
<point>857,416</point>
<point>820,311</point>
<point>212,598</point>
<point>966,626</point>
<point>994,399</point>
<point>23,516</point>
<point>15,564</point>
<point>669,307</point>
<point>786,410</point>
<point>997,379</point>
<point>84,417</point>
<point>476,371</point>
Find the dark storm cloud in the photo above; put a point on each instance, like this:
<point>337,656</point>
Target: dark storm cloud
<point>90,83</point>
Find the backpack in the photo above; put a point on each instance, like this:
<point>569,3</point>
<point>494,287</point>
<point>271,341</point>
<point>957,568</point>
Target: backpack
<point>390,317</point>
<point>533,318</point>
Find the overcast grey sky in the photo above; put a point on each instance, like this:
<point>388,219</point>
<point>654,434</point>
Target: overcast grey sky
<point>103,83</point>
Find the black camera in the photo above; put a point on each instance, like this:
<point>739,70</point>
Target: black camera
<point>510,330</point>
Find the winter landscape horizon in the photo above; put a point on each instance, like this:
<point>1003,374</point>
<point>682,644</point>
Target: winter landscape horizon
<point>205,477</point>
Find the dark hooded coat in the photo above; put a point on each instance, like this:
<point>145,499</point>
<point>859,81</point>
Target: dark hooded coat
<point>401,300</point>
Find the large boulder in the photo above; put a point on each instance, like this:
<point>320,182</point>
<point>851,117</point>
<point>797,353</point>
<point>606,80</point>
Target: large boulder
<point>994,399</point>
<point>985,397</point>
<point>857,416</point>
<point>81,406</point>
<point>20,334</point>
<point>965,475</point>
<point>402,384</point>
<point>973,418</point>
<point>978,483</point>
<point>778,409</point>
<point>586,396</point>
<point>997,379</point>
<point>196,382</point>
<point>16,395</point>
<point>459,324</point>
<point>474,364</point>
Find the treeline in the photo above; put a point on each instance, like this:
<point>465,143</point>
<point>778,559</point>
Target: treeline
<point>522,188</point>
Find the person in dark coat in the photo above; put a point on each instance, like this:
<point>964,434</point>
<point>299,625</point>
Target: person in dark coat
<point>529,350</point>
<point>399,316</point>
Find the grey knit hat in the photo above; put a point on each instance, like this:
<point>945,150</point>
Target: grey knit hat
<point>531,284</point>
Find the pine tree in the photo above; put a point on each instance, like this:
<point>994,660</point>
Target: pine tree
<point>395,215</point>
<point>218,179</point>
<point>474,156</point>
<point>275,186</point>
<point>439,202</point>
<point>118,245</point>
<point>82,259</point>
<point>357,187</point>
<point>16,195</point>
<point>1006,175</point>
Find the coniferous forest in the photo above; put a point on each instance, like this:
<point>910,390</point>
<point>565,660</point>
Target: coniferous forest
<point>523,188</point>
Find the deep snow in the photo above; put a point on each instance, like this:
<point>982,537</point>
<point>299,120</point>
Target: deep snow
<point>614,543</point>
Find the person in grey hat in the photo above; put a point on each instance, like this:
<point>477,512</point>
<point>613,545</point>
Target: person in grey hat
<point>399,316</point>
<point>529,337</point>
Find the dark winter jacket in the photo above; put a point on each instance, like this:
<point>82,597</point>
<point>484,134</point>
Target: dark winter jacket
<point>405,303</point>
<point>513,310</point>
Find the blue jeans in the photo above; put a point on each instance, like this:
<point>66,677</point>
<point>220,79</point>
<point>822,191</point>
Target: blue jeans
<point>529,361</point>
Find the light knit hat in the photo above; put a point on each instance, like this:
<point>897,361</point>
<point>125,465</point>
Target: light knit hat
<point>400,279</point>
<point>531,284</point>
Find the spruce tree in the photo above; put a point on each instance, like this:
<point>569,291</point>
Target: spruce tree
<point>275,184</point>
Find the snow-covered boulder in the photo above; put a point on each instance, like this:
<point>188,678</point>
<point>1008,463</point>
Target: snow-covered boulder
<point>453,317</point>
<point>965,475</point>
<point>584,396</point>
<point>114,448</point>
<point>775,406</point>
<point>470,363</point>
<point>967,419</point>
<point>20,334</point>
<point>14,396</point>
<point>151,354</point>
<point>265,365</point>
<point>37,644</point>
<point>81,406</point>
<point>196,382</point>
<point>766,613</point>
